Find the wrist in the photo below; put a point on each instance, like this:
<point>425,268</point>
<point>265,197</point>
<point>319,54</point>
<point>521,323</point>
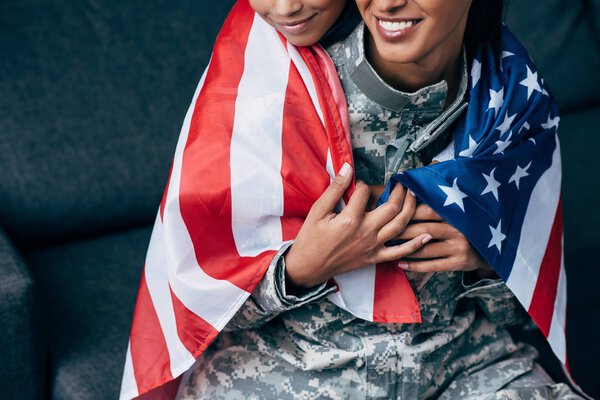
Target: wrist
<point>294,282</point>
<point>297,279</point>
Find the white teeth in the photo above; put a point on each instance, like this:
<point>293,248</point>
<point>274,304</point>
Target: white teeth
<point>395,26</point>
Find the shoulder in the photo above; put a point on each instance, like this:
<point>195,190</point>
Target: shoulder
<point>348,49</point>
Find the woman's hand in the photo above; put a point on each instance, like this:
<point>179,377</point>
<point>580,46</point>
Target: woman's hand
<point>448,251</point>
<point>329,244</point>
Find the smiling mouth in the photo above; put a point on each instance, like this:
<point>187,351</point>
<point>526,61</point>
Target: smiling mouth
<point>397,26</point>
<point>394,30</point>
<point>295,27</point>
<point>294,23</point>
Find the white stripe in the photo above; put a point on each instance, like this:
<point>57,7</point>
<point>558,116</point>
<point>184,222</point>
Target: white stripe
<point>256,148</point>
<point>329,165</point>
<point>307,78</point>
<point>536,231</point>
<point>158,285</point>
<point>128,384</point>
<point>189,282</point>
<point>556,336</point>
<point>357,292</point>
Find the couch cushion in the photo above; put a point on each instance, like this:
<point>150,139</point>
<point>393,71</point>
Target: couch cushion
<point>581,195</point>
<point>562,40</point>
<point>594,6</point>
<point>21,348</point>
<point>88,292</point>
<point>584,348</point>
<point>93,97</point>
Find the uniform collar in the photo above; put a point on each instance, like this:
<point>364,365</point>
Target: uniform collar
<point>370,83</point>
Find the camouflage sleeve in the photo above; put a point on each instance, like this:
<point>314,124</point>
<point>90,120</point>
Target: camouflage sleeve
<point>270,298</point>
<point>497,301</point>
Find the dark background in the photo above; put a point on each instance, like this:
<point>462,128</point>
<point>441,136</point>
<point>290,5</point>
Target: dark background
<point>92,97</point>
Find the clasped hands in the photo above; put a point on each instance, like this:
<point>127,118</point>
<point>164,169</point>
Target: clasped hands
<point>330,243</point>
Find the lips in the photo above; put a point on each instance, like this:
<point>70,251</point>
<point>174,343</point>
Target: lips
<point>396,29</point>
<point>294,27</point>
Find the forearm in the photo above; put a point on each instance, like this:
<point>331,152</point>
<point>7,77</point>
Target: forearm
<point>271,298</point>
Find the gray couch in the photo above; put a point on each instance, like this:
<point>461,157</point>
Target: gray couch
<point>92,95</point>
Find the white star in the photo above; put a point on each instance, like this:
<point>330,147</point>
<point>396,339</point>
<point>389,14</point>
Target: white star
<point>504,55</point>
<point>531,82</point>
<point>544,91</point>
<point>551,122</point>
<point>496,100</point>
<point>519,173</point>
<point>492,184</point>
<point>455,196</point>
<point>497,237</point>
<point>469,152</point>
<point>505,125</point>
<point>503,144</point>
<point>475,72</point>
<point>524,126</point>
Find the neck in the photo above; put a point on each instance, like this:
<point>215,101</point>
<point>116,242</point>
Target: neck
<point>410,77</point>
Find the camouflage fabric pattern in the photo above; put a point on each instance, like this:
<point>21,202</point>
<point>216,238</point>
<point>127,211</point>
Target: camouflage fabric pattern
<point>283,346</point>
<point>319,351</point>
<point>382,133</point>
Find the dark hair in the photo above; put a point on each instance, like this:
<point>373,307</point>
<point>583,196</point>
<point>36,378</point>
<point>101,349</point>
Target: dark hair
<point>484,25</point>
<point>345,24</point>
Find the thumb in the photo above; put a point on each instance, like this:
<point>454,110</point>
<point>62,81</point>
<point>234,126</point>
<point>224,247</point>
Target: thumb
<point>333,194</point>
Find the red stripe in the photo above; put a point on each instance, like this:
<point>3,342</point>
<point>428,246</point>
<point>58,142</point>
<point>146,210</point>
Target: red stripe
<point>149,354</point>
<point>194,332</point>
<point>168,391</point>
<point>544,295</point>
<point>394,299</point>
<point>338,142</point>
<point>205,195</point>
<point>304,155</point>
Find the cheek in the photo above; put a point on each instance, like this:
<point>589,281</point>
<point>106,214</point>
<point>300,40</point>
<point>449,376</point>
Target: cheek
<point>449,14</point>
<point>362,6</point>
<point>262,7</point>
<point>256,5</point>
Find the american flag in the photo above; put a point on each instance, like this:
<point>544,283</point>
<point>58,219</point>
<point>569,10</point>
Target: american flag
<point>266,132</point>
<point>503,189</point>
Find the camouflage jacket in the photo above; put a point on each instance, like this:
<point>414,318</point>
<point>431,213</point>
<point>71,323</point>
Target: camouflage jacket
<point>283,346</point>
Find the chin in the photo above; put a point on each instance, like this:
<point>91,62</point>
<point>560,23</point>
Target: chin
<point>301,42</point>
<point>397,54</point>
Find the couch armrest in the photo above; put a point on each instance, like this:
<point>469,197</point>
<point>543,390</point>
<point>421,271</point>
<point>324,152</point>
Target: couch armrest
<point>22,356</point>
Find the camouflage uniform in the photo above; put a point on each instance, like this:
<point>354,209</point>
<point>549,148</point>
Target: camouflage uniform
<point>280,346</point>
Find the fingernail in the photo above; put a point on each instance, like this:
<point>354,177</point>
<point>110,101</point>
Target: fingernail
<point>411,193</point>
<point>426,239</point>
<point>403,264</point>
<point>345,169</point>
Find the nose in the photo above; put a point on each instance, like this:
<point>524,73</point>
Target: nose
<point>286,8</point>
<point>390,5</point>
